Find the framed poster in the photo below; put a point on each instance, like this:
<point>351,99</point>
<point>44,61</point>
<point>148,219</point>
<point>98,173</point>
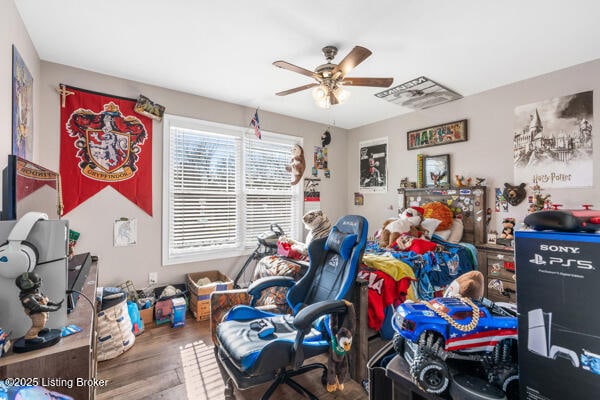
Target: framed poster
<point>22,117</point>
<point>451,132</point>
<point>552,142</point>
<point>373,165</point>
<point>436,170</point>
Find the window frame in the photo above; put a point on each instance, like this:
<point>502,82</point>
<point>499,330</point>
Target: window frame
<point>170,120</point>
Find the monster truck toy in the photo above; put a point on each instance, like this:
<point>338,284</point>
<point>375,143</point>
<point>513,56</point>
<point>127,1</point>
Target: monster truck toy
<point>430,332</point>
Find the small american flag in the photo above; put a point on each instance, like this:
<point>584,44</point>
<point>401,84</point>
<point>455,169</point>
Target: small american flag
<point>256,124</point>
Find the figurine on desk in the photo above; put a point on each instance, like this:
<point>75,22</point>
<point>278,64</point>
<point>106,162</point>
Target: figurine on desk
<point>36,307</point>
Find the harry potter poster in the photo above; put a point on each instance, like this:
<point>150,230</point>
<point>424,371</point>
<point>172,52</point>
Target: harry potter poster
<point>553,142</point>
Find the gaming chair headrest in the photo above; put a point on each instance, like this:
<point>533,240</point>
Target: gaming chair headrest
<point>16,255</point>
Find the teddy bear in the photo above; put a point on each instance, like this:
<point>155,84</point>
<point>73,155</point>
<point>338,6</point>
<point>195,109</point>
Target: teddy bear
<point>508,226</point>
<point>297,164</point>
<point>408,222</point>
<point>469,284</point>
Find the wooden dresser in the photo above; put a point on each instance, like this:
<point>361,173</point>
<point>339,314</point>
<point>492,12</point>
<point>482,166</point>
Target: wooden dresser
<point>497,263</point>
<point>72,362</point>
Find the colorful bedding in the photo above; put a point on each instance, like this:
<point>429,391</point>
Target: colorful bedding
<point>429,274</point>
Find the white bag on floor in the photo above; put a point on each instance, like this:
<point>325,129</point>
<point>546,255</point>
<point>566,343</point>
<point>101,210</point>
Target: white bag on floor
<point>115,334</point>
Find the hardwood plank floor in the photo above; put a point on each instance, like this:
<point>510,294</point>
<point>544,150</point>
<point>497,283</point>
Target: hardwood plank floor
<point>179,363</point>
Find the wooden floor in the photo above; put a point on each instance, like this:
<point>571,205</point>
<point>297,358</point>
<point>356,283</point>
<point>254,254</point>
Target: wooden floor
<point>179,363</point>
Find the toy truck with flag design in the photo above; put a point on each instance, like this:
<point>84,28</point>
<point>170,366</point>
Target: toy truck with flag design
<point>430,332</point>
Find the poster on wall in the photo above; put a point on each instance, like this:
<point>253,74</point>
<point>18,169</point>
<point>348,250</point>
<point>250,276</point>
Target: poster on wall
<point>312,194</point>
<point>553,142</point>
<point>104,143</point>
<point>22,118</point>
<point>373,165</point>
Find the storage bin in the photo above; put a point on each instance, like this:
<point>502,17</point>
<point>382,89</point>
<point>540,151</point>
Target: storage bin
<point>200,295</point>
<point>164,306</point>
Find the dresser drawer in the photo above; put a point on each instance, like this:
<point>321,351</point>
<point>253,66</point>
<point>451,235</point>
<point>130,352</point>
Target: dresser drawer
<point>501,269</point>
<point>502,290</point>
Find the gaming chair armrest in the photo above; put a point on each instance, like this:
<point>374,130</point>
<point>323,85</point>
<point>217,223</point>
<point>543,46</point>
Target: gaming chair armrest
<point>303,322</point>
<point>269,281</point>
<point>304,319</point>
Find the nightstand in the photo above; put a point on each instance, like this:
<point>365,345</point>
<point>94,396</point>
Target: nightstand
<point>497,263</point>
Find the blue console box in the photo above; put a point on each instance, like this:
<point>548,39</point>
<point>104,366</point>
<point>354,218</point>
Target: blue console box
<point>178,314</point>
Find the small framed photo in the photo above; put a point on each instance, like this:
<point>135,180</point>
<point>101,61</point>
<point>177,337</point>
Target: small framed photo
<point>436,170</point>
<point>491,237</point>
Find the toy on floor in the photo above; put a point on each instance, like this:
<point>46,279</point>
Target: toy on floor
<point>341,341</point>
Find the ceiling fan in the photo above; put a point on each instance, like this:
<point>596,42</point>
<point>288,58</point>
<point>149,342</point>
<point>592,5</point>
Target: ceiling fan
<point>331,78</point>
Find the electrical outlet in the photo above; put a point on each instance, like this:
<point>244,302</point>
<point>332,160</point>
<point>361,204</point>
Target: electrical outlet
<point>153,278</point>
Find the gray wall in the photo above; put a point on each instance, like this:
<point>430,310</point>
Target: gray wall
<point>94,218</point>
<point>12,31</point>
<point>488,152</point>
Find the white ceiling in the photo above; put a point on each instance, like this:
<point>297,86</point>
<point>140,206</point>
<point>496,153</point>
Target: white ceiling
<point>225,49</point>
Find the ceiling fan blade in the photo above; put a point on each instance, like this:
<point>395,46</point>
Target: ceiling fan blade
<point>377,82</point>
<point>297,89</point>
<point>357,55</point>
<point>294,68</point>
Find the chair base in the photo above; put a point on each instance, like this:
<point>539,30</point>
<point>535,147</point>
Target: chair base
<point>285,377</point>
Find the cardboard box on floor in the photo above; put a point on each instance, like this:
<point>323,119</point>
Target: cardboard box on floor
<point>200,295</point>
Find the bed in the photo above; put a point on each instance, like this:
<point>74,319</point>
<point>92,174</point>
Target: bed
<point>420,276</point>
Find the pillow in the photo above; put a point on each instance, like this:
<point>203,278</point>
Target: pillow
<point>439,211</point>
<point>444,234</point>
<point>430,225</point>
<point>340,242</point>
<point>456,231</point>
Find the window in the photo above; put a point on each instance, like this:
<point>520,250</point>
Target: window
<point>222,187</point>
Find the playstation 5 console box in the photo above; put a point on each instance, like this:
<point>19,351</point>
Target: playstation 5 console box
<point>558,293</point>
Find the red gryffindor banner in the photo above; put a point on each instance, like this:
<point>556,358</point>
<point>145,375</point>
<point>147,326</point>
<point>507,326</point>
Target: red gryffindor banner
<point>104,143</point>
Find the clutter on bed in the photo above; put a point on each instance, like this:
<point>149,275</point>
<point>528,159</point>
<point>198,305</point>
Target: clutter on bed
<point>420,267</point>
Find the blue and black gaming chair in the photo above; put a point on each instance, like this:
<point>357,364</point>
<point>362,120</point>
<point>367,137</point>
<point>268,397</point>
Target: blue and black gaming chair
<point>256,346</point>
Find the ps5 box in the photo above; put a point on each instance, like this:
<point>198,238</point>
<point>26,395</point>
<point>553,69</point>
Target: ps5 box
<point>558,297</point>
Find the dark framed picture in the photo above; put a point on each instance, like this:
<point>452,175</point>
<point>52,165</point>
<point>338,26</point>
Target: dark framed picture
<point>436,170</point>
<point>451,132</point>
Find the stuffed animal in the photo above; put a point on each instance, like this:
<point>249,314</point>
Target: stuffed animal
<point>394,227</point>
<point>318,226</point>
<point>469,284</point>
<point>341,341</point>
<point>297,165</point>
<point>514,195</point>
<point>508,227</point>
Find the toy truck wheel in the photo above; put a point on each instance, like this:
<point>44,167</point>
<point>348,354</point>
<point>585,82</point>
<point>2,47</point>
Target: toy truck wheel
<point>430,374</point>
<point>398,343</point>
<point>506,377</point>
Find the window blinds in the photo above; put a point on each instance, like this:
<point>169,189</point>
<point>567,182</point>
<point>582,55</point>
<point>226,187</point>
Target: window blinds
<point>226,188</point>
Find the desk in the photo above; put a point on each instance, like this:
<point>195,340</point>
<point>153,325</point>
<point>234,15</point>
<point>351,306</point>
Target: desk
<point>72,358</point>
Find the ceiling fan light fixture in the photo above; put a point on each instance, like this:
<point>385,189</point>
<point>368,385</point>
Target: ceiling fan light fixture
<point>320,92</point>
<point>341,94</point>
